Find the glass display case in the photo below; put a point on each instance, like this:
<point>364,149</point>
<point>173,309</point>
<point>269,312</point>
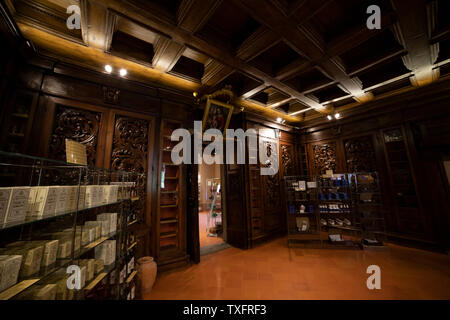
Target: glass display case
<point>63,230</point>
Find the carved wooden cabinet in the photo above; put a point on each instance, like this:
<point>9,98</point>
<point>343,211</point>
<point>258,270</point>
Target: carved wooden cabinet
<point>114,139</point>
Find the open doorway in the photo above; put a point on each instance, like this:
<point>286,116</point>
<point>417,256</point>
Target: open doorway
<point>211,213</point>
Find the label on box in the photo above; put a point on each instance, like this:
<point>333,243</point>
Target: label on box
<point>61,202</point>
<point>18,204</point>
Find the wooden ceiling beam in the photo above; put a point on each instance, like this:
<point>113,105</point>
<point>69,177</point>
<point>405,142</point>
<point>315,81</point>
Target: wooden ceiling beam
<point>257,42</point>
<point>99,24</point>
<point>358,35</point>
<point>413,30</point>
<point>167,53</point>
<point>180,35</point>
<point>356,69</point>
<point>296,67</point>
<point>215,72</point>
<point>193,14</point>
<point>307,43</point>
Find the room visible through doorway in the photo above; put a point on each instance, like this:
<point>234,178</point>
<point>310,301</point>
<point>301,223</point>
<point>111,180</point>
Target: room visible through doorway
<point>211,215</point>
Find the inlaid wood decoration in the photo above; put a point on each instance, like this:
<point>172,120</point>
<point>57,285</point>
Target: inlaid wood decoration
<point>324,157</point>
<point>78,125</point>
<point>360,154</point>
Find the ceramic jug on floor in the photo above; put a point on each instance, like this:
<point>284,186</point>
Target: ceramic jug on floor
<point>147,274</point>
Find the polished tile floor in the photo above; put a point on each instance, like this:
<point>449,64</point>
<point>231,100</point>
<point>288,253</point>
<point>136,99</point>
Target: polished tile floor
<point>272,271</point>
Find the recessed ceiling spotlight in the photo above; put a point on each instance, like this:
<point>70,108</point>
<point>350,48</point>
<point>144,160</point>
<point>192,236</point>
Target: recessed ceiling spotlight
<point>123,72</point>
<point>337,115</point>
<point>195,94</point>
<point>108,68</point>
<point>329,117</point>
<point>279,120</point>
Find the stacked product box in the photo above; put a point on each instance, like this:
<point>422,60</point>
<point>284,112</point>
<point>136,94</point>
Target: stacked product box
<point>92,196</point>
<point>16,207</point>
<point>98,266</point>
<point>106,252</point>
<point>62,200</point>
<point>32,255</point>
<point>50,249</point>
<point>9,270</point>
<point>65,243</point>
<point>110,193</point>
<point>46,200</point>
<point>101,228</point>
<point>5,194</point>
<point>60,278</point>
<point>90,268</point>
<point>112,218</point>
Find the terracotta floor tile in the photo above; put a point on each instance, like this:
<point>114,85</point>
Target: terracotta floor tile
<point>272,271</point>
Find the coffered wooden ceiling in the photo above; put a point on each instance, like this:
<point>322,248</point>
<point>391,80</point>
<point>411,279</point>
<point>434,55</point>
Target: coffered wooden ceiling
<point>294,59</point>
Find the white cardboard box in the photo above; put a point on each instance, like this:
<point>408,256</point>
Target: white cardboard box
<point>110,193</point>
<point>82,197</point>
<point>72,194</point>
<point>18,204</point>
<point>101,195</point>
<point>91,196</point>
<point>106,252</point>
<point>112,218</point>
<point>62,200</point>
<point>5,194</point>
<point>46,202</point>
<point>9,270</point>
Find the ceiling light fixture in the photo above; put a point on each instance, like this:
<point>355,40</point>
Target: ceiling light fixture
<point>123,72</point>
<point>329,117</point>
<point>108,68</point>
<point>279,120</point>
<point>337,115</point>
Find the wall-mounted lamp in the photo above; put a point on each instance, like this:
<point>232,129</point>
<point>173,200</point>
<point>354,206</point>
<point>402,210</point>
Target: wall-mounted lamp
<point>336,116</point>
<point>108,68</point>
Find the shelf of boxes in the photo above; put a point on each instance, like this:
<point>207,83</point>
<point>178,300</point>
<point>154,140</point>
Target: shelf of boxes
<point>46,228</point>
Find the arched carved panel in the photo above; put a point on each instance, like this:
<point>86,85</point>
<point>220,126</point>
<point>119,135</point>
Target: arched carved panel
<point>324,157</point>
<point>360,154</point>
<point>78,125</point>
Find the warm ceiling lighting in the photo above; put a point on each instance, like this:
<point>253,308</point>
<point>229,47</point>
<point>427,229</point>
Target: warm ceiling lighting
<point>329,117</point>
<point>108,68</point>
<point>279,120</point>
<point>337,115</point>
<point>195,94</point>
<point>123,72</point>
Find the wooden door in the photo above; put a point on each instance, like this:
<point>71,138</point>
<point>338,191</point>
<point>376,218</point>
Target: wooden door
<point>236,213</point>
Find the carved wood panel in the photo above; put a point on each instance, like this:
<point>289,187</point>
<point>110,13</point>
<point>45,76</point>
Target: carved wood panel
<point>324,157</point>
<point>287,160</point>
<point>130,151</point>
<point>360,154</point>
<point>79,125</point>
